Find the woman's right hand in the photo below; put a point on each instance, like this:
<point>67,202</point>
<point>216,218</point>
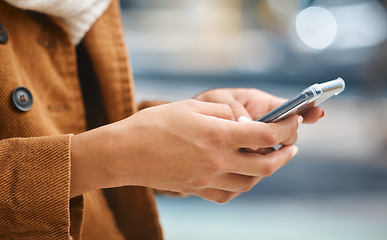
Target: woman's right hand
<point>189,147</point>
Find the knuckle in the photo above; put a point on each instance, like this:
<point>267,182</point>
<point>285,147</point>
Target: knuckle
<point>226,108</point>
<point>200,183</point>
<point>189,190</point>
<point>226,111</point>
<point>218,136</point>
<point>224,197</point>
<point>290,141</point>
<point>270,137</point>
<point>268,169</point>
<point>190,102</point>
<point>215,166</point>
<point>247,188</point>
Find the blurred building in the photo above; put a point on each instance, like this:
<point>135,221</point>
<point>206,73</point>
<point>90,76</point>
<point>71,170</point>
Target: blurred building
<point>296,40</point>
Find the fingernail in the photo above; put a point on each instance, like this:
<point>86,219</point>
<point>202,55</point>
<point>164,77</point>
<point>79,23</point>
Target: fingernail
<point>300,120</point>
<point>323,114</point>
<point>295,151</point>
<point>244,119</point>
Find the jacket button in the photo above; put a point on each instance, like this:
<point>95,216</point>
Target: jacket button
<point>22,99</point>
<point>3,35</point>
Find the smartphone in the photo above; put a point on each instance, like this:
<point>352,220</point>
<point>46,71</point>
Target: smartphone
<point>308,98</point>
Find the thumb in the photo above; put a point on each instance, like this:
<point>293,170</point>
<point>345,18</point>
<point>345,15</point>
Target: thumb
<point>240,112</point>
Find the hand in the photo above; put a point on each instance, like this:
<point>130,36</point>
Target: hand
<point>252,103</point>
<point>190,147</point>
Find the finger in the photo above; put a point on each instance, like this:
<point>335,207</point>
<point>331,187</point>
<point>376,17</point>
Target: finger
<point>216,195</point>
<point>256,135</point>
<point>240,112</point>
<point>313,115</point>
<point>235,182</point>
<point>213,109</point>
<point>290,141</point>
<point>276,102</point>
<point>266,104</point>
<point>251,164</point>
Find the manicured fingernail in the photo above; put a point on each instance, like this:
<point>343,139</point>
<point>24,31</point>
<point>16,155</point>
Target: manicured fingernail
<point>295,151</point>
<point>244,119</point>
<point>300,120</point>
<point>323,114</point>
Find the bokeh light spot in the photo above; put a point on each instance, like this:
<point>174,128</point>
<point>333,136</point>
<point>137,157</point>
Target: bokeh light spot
<point>316,27</point>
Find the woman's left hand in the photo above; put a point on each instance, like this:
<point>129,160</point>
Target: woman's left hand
<point>250,104</point>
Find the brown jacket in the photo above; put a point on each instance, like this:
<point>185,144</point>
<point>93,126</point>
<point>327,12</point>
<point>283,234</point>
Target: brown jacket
<point>73,89</point>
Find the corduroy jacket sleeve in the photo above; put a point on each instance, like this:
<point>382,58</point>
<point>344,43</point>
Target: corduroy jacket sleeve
<point>35,187</point>
<point>34,153</point>
<point>34,150</point>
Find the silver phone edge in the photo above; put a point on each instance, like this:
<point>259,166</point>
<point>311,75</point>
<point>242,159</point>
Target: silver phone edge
<point>318,92</point>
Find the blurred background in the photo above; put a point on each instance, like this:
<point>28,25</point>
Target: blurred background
<point>336,187</point>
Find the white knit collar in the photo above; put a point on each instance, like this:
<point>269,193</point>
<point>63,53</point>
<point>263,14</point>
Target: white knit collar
<point>78,15</point>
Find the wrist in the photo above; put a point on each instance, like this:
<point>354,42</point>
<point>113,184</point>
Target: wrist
<point>89,158</point>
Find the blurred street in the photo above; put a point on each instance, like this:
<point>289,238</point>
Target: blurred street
<point>336,186</point>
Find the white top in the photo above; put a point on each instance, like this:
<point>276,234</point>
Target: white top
<point>78,15</point>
